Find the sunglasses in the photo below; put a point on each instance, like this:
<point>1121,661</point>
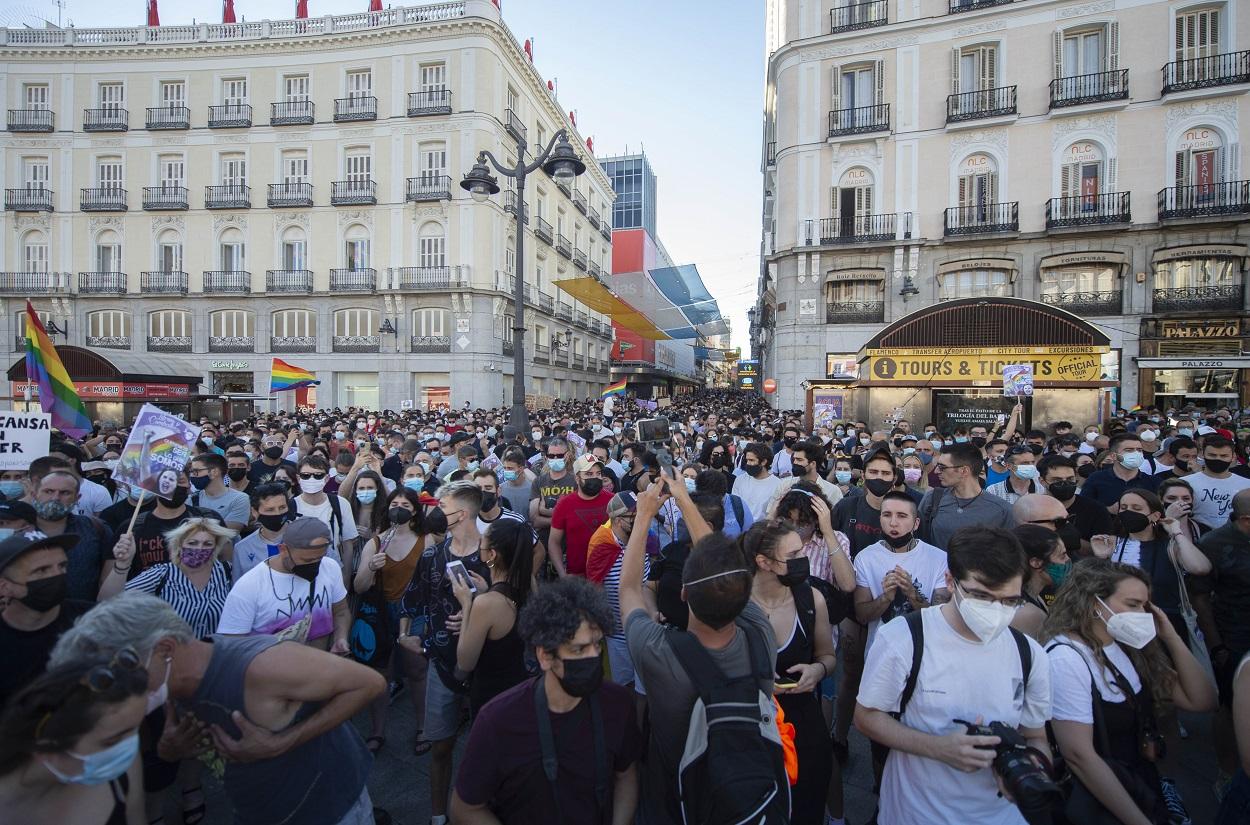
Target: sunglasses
<point>309,476</point>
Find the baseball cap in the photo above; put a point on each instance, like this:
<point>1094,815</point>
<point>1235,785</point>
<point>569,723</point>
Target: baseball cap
<point>621,504</point>
<point>10,510</point>
<point>585,462</point>
<point>302,532</point>
<point>27,540</point>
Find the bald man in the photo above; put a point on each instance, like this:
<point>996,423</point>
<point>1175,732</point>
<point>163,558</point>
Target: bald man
<point>1044,510</point>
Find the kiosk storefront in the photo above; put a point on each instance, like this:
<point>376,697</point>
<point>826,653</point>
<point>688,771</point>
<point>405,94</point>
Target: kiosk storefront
<point>944,364</point>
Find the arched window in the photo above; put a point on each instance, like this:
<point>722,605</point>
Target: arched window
<point>356,247</point>
<point>433,244</point>
<point>232,330</point>
<point>978,180</point>
<point>851,205</point>
<point>294,249</point>
<point>430,322</point>
<point>169,330</point>
<point>1081,170</point>
<point>294,330</point>
<point>108,251</point>
<point>356,330</point>
<point>35,251</point>
<point>169,251</point>
<point>978,208</point>
<point>231,252</point>
<point>1199,157</point>
<point>108,329</point>
<point>1086,185</point>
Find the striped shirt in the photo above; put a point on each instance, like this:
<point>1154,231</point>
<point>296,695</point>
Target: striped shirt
<point>612,589</point>
<point>199,608</point>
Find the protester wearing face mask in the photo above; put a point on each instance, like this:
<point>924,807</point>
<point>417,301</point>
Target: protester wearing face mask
<point>972,666</point>
<point>1022,477</point>
<point>1048,567</point>
<point>576,517</point>
<point>1107,485</point>
<point>367,497</point>
<point>271,510</point>
<point>55,496</point>
<point>1215,485</point>
<point>756,486</point>
<point>207,474</point>
<point>1115,663</point>
<point>334,510</point>
<point>69,744</point>
<point>271,457</point>
<point>237,466</point>
<point>493,508</point>
<point>34,586</point>
<point>1179,460</point>
<point>517,489</point>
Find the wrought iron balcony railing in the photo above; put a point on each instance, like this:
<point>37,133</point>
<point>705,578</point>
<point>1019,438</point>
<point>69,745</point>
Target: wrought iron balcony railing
<point>31,120</point>
<point>543,230</point>
<point>225,281</point>
<point>25,283</point>
<point>431,102</point>
<point>289,280</point>
<point>293,343</point>
<point>424,278</point>
<point>564,311</point>
<point>606,230</point>
<point>854,16</point>
<point>428,187</point>
<point>982,218</point>
<point>1198,298</point>
<point>108,341</point>
<point>163,283</point>
<point>860,120</point>
<point>357,343</point>
<point>168,117</point>
<point>292,113</point>
<point>354,193</point>
<point>169,343</point>
<point>1087,303</point>
<point>1089,88</point>
<point>579,259</point>
<point>430,343</point>
<point>855,312</point>
<point>230,196</point>
<point>547,303</point>
<point>981,103</point>
<point>230,116</point>
<point>1206,72</point>
<point>348,109</point>
<point>513,125</point>
<point>110,119</point>
<point>958,6</point>
<point>165,198</point>
<point>28,199</point>
<point>1204,200</point>
<point>103,199</point>
<point>592,217</point>
<point>233,343</point>
<point>511,204</point>
<point>290,194</point>
<point>353,280</point>
<point>579,201</point>
<point>865,228</point>
<point>102,283</point>
<point>1088,210</point>
<point>563,246</point>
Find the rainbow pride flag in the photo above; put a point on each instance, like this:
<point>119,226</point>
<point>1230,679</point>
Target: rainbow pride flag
<point>57,394</point>
<point>614,389</point>
<point>284,376</point>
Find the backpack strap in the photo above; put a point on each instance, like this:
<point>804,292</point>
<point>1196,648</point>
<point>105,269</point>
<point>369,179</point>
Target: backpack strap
<point>696,662</point>
<point>336,517</point>
<point>915,624</point>
<point>1100,725</point>
<point>551,759</point>
<point>926,518</point>
<point>739,514</point>
<point>1026,656</point>
<point>805,607</point>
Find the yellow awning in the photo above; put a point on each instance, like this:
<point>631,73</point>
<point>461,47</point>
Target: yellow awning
<point>599,298</point>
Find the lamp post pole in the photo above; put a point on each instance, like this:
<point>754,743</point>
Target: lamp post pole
<point>559,159</point>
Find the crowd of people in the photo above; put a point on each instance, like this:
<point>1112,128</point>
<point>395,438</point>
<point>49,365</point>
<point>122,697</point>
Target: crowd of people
<point>631,615</point>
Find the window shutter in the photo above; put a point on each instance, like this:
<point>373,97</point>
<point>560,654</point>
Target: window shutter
<point>1058,56</point>
<point>863,200</point>
<point>878,72</point>
<point>836,93</point>
<point>964,180</point>
<point>989,67</point>
<point>1111,175</point>
<point>955,55</point>
<point>1233,157</point>
<point>991,188</point>
<point>1182,22</point>
<point>834,201</point>
<point>1113,46</point>
<point>1065,180</point>
<point>1221,174</point>
<point>1213,32</point>
<point>1181,169</point>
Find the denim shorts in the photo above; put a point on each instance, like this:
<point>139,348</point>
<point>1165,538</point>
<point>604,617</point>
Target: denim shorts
<point>442,708</point>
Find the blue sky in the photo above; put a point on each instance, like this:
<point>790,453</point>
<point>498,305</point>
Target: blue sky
<point>681,80</point>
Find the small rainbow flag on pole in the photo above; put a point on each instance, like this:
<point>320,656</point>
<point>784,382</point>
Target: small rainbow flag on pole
<point>284,376</point>
<point>614,389</point>
<point>57,395</point>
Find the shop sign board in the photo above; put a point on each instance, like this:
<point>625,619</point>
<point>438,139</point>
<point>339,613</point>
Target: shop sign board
<point>954,409</point>
<point>229,365</point>
<point>1052,368</point>
<point>87,390</point>
<point>1201,328</point>
<point>146,390</point>
<point>1018,380</point>
<point>24,436</point>
<point>1194,363</point>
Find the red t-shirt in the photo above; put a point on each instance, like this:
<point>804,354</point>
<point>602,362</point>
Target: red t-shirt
<point>579,518</point>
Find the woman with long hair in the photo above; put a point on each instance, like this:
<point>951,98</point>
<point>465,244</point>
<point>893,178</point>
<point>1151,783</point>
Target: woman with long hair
<point>69,745</point>
<point>1116,664</point>
<point>1178,503</point>
<point>387,565</point>
<point>490,652</point>
<point>367,495</point>
<point>1048,567</point>
<point>715,455</point>
<point>914,475</point>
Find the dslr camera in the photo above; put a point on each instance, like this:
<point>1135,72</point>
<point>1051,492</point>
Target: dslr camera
<point>655,433</point>
<point>1036,794</point>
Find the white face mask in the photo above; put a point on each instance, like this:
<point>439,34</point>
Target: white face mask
<point>1091,437</point>
<point>312,485</point>
<point>158,697</point>
<point>1130,628</point>
<point>1146,435</point>
<point>986,619</point>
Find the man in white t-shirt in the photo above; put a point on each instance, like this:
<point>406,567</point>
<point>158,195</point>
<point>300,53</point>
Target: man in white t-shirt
<point>297,584</point>
<point>899,574</point>
<point>756,486</point>
<point>334,511</point>
<point>1215,486</point>
<point>972,667</point>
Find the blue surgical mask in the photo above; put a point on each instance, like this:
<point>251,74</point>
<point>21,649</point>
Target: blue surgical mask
<point>555,465</point>
<point>415,484</point>
<point>690,485</point>
<point>366,496</point>
<point>471,466</point>
<point>961,439</point>
<point>425,465</point>
<point>510,475</point>
<point>12,489</point>
<point>925,458</point>
<point>1188,432</point>
<point>843,476</point>
<point>1027,472</point>
<point>103,766</point>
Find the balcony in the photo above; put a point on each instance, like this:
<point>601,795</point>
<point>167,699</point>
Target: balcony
<point>606,231</point>
<point>348,109</point>
<point>770,153</point>
<point>513,125</point>
<point>227,281</point>
<point>579,201</point>
<point>543,230</point>
<point>102,283</point>
<point>230,116</point>
<point>106,199</point>
<point>1206,72</point>
<point>357,343</point>
<point>546,302</point>
<point>430,344</point>
<point>353,280</point>
<point>108,341</point>
<point>564,311</point>
<point>25,283</point>
<point>169,117</point>
<point>292,113</point>
<point>581,319</point>
<point>30,199</point>
<point>1087,303</point>
<point>289,280</point>
<point>169,343</point>
<point>111,119</point>
<point>232,196</point>
<point>860,120</point>
<point>163,283</point>
<point>31,120</point>
<point>856,16</point>
<point>579,361</point>
<point>432,102</point>
<point>1204,200</point>
<point>1198,298</point>
<point>592,217</point>
<point>424,278</point>
<point>287,195</point>
<point>958,6</point>
<point>865,228</point>
<point>594,270</point>
<point>563,246</point>
<point>982,103</point>
<point>511,204</point>
<point>1088,210</point>
<point>239,343</point>
<point>579,259</point>
<point>353,193</point>
<point>982,218</point>
<point>293,343</point>
<point>855,312</point>
<point>508,349</point>
<point>165,198</point>
<point>428,188</point>
<point>542,353</point>
<point>1089,88</point>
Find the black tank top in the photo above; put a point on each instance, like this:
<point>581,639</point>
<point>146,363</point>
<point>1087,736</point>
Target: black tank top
<point>501,664</point>
<point>119,786</point>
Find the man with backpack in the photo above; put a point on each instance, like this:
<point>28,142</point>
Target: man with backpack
<point>956,661</point>
<point>714,680</point>
<point>332,510</point>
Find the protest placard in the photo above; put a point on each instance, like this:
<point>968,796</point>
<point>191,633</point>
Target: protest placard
<point>23,438</point>
<point>1018,380</point>
<point>157,450</point>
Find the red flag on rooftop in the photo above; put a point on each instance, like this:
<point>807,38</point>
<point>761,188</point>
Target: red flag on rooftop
<point>301,10</point>
<point>529,50</point>
<point>227,12</point>
<point>375,5</point>
<point>154,15</point>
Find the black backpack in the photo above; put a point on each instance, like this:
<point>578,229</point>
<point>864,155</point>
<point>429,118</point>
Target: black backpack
<point>732,771</point>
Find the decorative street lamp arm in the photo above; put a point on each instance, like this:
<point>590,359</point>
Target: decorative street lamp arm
<point>522,169</point>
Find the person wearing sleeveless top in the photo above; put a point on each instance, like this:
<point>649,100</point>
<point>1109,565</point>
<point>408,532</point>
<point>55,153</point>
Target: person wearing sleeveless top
<point>388,563</point>
<point>1116,661</point>
<point>69,745</point>
<point>490,653</point>
<point>798,616</point>
<point>278,713</point>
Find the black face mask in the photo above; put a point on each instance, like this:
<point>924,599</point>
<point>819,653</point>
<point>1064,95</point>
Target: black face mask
<point>1085,470</point>
<point>582,677</point>
<point>898,541</point>
<point>436,521</point>
<point>789,441</point>
<point>1062,490</point>
<point>236,473</point>
<point>1218,465</point>
<point>307,572</point>
<point>177,499</point>
<point>878,486</point>
<point>797,571</point>
<point>717,461</point>
<point>272,523</point>
<point>592,486</point>
<point>399,515</point>
<point>1131,522</point>
<point>1182,465</point>
<point>760,471</point>
<point>273,453</point>
<point>977,441</point>
<point>489,500</point>
<point>44,594</point>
